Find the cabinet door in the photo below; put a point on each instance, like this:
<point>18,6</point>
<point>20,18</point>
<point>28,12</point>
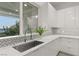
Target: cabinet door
<point>50,49</point>
<point>69,17</point>
<point>60,18</point>
<point>70,45</point>
<point>77,16</point>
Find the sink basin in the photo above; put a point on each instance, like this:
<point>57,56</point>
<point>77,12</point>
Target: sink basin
<point>26,46</point>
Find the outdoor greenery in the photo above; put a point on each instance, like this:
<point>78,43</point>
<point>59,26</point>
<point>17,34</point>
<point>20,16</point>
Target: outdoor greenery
<point>13,30</point>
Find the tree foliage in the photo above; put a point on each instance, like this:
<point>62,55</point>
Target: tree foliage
<point>13,30</point>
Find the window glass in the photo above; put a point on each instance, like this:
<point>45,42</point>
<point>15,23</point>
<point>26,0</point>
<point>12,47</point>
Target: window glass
<point>9,18</point>
<point>30,17</point>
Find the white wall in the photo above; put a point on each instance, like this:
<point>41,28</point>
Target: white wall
<point>43,15</point>
<point>47,17</point>
<point>52,21</point>
<point>68,20</point>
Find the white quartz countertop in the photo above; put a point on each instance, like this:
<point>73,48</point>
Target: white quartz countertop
<point>10,51</point>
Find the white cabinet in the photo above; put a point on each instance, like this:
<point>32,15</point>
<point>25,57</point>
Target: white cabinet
<point>66,17</point>
<point>50,49</point>
<point>68,20</point>
<point>77,16</point>
<point>60,18</point>
<point>70,45</point>
<point>69,17</point>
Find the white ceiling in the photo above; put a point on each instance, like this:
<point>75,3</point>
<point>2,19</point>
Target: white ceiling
<point>62,5</point>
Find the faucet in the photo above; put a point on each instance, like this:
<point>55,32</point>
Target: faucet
<point>25,37</point>
<point>30,31</point>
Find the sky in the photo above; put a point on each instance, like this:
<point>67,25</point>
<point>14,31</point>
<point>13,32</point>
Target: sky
<point>7,21</point>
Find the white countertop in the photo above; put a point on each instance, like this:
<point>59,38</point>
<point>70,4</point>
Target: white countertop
<point>9,51</point>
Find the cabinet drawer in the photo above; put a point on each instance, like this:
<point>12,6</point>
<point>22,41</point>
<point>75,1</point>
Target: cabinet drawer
<point>70,50</point>
<point>70,42</point>
<point>67,44</point>
<point>70,45</point>
<point>69,39</point>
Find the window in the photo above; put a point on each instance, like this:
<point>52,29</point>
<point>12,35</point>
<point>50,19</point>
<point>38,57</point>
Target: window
<point>9,26</point>
<point>9,18</point>
<point>30,17</point>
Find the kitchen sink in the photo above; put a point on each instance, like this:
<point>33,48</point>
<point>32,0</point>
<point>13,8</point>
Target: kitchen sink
<point>26,46</point>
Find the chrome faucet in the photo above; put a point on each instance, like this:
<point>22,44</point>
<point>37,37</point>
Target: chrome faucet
<point>30,31</point>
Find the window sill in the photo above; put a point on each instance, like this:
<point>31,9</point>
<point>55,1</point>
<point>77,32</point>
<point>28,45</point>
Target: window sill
<point>18,36</point>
